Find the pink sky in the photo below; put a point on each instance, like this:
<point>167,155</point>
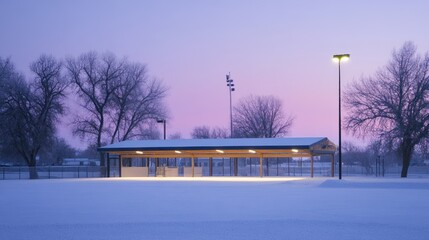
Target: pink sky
<point>280,48</point>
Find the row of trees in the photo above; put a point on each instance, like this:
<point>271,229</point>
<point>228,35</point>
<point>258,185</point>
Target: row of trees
<point>253,117</point>
<point>117,101</point>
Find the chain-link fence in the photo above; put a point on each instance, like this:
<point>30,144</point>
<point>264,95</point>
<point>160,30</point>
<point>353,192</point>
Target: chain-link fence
<point>48,172</point>
<point>223,168</point>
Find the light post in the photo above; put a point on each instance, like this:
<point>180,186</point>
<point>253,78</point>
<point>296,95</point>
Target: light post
<point>164,122</point>
<point>231,88</point>
<point>338,58</point>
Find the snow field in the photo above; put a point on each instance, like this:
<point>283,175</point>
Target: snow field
<point>215,208</point>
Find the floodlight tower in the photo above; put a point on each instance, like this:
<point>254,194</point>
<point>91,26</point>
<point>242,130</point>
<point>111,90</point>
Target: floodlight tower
<point>230,85</point>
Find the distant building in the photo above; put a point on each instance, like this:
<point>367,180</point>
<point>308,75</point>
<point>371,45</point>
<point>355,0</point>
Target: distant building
<point>81,162</point>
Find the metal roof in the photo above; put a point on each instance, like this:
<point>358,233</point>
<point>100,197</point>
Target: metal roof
<point>309,145</point>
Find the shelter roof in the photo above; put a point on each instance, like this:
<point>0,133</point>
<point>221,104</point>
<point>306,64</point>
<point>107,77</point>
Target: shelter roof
<point>228,147</point>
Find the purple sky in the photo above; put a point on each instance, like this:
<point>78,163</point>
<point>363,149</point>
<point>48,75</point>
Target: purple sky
<point>281,48</point>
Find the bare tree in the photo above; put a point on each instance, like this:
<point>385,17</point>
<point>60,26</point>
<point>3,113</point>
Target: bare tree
<point>55,153</point>
<point>96,79</point>
<point>260,117</point>
<point>201,132</point>
<point>176,135</point>
<point>394,104</point>
<point>117,97</point>
<point>31,110</point>
<point>357,155</point>
<point>218,132</point>
<point>136,102</point>
<point>207,132</point>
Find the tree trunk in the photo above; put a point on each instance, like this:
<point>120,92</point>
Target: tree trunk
<point>31,163</point>
<point>33,172</point>
<point>406,158</point>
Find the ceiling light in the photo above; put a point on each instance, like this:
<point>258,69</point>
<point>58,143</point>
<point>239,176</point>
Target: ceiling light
<point>295,150</point>
<point>219,151</point>
<point>139,152</point>
<point>252,151</point>
<point>177,151</point>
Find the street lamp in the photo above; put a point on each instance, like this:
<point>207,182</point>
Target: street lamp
<point>231,88</point>
<point>164,122</point>
<point>339,58</point>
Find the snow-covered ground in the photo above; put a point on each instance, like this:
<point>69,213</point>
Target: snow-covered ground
<point>227,208</point>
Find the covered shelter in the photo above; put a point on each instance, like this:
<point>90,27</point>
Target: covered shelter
<point>152,151</point>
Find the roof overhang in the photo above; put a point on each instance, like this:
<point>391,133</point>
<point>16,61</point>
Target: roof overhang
<point>222,148</point>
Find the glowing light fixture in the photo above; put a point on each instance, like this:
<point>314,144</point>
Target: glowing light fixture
<point>295,150</point>
<point>219,151</point>
<point>139,152</point>
<point>252,151</point>
<point>177,151</point>
<point>341,58</point>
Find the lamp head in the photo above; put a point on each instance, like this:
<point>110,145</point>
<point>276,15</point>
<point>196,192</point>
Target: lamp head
<point>341,57</point>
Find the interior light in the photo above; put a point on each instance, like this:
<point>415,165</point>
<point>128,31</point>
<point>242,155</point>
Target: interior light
<point>139,152</point>
<point>295,150</point>
<point>252,151</point>
<point>177,151</point>
<point>219,151</point>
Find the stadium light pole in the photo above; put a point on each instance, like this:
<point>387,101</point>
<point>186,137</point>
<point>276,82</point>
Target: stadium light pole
<point>339,58</point>
<point>230,85</point>
<point>164,122</point>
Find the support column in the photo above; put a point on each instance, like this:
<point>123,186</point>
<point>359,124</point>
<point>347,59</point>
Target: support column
<point>210,166</point>
<point>277,166</point>
<point>332,165</point>
<point>156,165</point>
<point>235,166</point>
<point>120,165</point>
<point>108,165</point>
<point>268,167</point>
<point>260,166</point>
<point>312,165</point>
<point>192,165</point>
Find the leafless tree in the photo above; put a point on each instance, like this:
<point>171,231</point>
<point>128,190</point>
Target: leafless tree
<point>394,104</point>
<point>96,79</point>
<point>260,117</point>
<point>218,132</point>
<point>176,135</point>
<point>201,132</point>
<point>31,109</point>
<point>117,97</point>
<point>207,132</point>
<point>136,102</point>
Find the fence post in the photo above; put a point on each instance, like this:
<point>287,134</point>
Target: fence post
<point>78,172</point>
<point>19,172</point>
